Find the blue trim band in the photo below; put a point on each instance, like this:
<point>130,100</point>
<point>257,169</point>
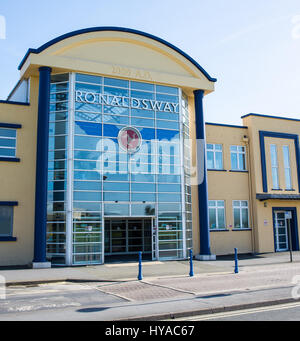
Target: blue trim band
<point>14,103</point>
<point>226,125</point>
<point>220,230</point>
<point>265,197</point>
<point>238,171</point>
<point>8,239</point>
<point>262,135</point>
<point>9,203</point>
<point>9,159</point>
<point>114,29</point>
<point>10,125</point>
<point>202,183</point>
<point>40,229</point>
<point>268,116</point>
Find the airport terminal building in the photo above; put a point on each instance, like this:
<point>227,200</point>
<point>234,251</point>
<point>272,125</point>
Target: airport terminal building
<point>104,152</point>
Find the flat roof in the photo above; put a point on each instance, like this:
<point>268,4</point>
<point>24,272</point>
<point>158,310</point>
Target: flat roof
<point>270,116</point>
<point>226,125</point>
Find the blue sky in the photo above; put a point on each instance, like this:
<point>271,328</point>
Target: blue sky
<point>252,47</point>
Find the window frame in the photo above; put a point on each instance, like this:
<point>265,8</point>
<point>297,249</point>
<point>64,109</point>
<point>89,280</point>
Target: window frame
<point>241,208</point>
<point>287,167</point>
<point>237,152</point>
<point>215,151</point>
<point>9,237</point>
<point>216,208</point>
<point>274,166</point>
<point>14,127</point>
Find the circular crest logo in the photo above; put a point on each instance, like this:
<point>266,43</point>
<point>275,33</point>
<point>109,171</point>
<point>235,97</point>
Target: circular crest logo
<point>130,139</point>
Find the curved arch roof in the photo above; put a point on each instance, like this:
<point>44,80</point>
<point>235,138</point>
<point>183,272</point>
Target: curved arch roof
<point>116,29</point>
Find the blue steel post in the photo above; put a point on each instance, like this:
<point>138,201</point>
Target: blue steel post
<point>236,261</point>
<point>42,166</point>
<point>202,182</point>
<point>191,264</point>
<point>140,276</point>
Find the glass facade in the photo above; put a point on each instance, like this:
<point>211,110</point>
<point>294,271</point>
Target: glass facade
<point>94,179</point>
<point>57,169</point>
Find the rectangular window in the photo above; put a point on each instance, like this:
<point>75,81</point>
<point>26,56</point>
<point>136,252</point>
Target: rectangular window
<point>214,156</point>
<point>216,215</point>
<point>238,158</point>
<point>8,142</point>
<point>287,167</point>
<point>6,221</point>
<point>274,163</point>
<point>241,214</point>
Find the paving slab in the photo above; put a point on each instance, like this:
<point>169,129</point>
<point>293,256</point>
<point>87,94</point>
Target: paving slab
<point>110,272</point>
<point>129,271</point>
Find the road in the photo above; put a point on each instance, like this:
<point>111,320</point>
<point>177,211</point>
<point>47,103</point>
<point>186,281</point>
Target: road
<point>159,298</point>
<point>96,302</point>
<point>286,312</point>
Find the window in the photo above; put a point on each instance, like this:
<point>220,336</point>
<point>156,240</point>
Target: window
<point>274,163</point>
<point>6,221</point>
<point>287,167</point>
<point>214,156</point>
<point>8,139</point>
<point>238,158</point>
<point>241,214</point>
<point>216,215</point>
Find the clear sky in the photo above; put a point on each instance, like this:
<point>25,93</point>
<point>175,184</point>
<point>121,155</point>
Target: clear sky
<point>251,46</point>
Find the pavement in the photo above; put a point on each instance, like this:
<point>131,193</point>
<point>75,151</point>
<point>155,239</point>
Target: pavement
<point>166,291</point>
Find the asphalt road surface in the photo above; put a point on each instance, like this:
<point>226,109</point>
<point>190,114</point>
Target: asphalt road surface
<point>287,312</point>
<point>97,301</point>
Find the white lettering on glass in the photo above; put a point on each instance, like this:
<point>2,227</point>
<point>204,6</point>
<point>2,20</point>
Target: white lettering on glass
<point>126,102</point>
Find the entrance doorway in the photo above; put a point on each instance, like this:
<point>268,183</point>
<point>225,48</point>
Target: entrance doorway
<point>281,232</point>
<point>126,237</point>
<point>281,229</point>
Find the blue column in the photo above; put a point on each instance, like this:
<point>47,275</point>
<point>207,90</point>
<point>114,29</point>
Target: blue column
<point>202,175</point>
<point>42,167</point>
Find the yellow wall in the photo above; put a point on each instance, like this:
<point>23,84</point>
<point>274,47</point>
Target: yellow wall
<point>229,186</point>
<point>17,180</point>
<point>263,219</point>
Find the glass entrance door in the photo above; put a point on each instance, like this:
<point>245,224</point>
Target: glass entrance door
<point>281,232</point>
<point>128,237</point>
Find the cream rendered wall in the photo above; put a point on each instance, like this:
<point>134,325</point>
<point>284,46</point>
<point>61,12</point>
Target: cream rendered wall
<point>263,219</point>
<point>119,54</point>
<point>229,186</point>
<point>17,180</point>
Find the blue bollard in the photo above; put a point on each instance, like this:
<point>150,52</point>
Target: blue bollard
<point>191,264</point>
<point>236,268</point>
<point>140,276</point>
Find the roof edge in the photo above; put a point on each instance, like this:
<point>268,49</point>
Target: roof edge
<point>115,29</point>
<point>270,116</point>
<point>226,125</point>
